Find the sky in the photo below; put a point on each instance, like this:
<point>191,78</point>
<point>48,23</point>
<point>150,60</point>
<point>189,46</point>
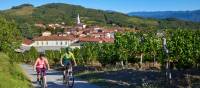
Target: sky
<point>124,6</point>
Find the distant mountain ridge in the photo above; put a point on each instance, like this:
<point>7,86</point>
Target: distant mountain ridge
<point>182,15</point>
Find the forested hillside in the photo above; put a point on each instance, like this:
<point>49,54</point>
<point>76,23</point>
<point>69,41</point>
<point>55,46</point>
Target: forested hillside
<point>26,15</point>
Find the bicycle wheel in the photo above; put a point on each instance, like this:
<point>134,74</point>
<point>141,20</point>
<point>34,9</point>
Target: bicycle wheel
<point>43,83</point>
<point>65,81</point>
<point>70,81</point>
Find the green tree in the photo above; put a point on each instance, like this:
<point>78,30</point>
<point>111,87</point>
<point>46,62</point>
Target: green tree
<point>10,38</point>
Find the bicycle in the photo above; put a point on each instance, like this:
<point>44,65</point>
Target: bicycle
<point>69,78</point>
<point>42,82</point>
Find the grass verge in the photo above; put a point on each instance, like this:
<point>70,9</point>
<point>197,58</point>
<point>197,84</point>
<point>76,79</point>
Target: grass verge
<point>11,75</point>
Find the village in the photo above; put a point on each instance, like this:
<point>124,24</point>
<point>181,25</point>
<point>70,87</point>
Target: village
<point>71,37</point>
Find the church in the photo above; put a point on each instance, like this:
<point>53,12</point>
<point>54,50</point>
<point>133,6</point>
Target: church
<point>50,41</point>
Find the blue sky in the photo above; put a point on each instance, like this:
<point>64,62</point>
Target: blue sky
<point>116,5</point>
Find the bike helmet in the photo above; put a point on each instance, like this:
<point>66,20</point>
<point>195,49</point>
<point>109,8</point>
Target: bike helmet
<point>42,54</point>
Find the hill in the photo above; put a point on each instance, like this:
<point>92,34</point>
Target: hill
<point>25,9</point>
<point>59,12</point>
<point>27,15</point>
<point>183,15</point>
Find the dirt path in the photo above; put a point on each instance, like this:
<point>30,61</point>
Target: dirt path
<point>54,79</point>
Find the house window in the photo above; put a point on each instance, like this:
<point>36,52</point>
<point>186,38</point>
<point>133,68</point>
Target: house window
<point>65,43</point>
<point>56,43</point>
<point>42,43</point>
<point>61,43</point>
<point>46,42</point>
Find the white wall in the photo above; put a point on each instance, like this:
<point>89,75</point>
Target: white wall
<point>52,43</point>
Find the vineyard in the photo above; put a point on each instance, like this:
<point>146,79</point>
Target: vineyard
<point>183,46</point>
<point>137,49</point>
<point>133,47</point>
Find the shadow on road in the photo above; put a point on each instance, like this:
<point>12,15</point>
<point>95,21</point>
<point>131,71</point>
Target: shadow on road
<point>129,78</point>
<point>50,73</point>
<point>55,85</point>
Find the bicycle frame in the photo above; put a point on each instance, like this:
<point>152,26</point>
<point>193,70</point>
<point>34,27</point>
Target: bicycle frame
<point>42,80</point>
<point>69,77</point>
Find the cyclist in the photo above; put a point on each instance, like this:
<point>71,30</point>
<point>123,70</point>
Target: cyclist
<point>41,65</point>
<point>67,60</point>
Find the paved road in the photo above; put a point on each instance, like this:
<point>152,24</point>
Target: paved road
<point>54,79</point>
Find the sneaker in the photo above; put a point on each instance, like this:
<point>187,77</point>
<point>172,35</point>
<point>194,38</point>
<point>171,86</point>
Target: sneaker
<point>64,82</point>
<point>38,82</point>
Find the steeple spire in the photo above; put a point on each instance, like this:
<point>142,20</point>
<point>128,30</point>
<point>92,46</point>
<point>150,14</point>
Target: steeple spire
<point>78,19</point>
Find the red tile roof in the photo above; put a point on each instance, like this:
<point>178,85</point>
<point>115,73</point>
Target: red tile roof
<point>93,39</point>
<point>27,42</point>
<point>90,39</point>
<point>53,37</point>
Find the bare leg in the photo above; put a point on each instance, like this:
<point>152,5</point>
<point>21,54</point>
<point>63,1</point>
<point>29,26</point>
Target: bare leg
<point>38,77</point>
<point>70,68</point>
<point>64,75</point>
